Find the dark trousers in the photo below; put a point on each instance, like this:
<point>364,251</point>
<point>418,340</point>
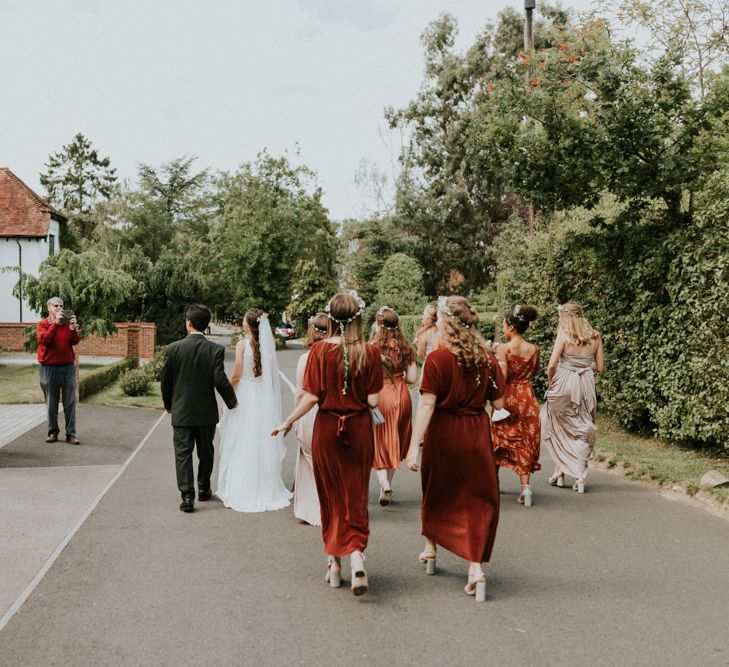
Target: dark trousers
<point>185,438</point>
<point>57,382</point>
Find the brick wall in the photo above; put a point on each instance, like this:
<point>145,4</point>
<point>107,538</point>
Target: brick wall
<point>131,339</point>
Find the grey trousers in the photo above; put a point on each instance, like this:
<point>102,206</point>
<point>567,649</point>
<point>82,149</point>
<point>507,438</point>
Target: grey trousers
<point>185,438</point>
<point>57,382</point>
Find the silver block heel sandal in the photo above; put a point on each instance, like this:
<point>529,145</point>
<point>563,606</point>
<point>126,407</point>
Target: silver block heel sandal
<point>333,577</point>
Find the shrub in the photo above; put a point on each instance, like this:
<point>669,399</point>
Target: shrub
<point>154,367</point>
<point>400,285</point>
<point>98,380</point>
<point>135,382</point>
<point>657,293</point>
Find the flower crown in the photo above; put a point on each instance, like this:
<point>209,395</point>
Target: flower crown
<point>316,328</point>
<point>343,323</point>
<point>381,312</point>
<point>563,311</point>
<point>443,307</point>
<point>262,316</point>
<point>360,303</point>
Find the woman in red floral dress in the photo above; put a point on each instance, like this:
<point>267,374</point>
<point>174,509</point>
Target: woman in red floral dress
<point>516,438</point>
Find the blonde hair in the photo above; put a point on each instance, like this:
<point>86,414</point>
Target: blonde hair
<point>462,335</point>
<point>345,320</point>
<point>430,316</point>
<point>573,325</point>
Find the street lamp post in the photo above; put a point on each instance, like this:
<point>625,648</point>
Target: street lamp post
<point>529,6</point>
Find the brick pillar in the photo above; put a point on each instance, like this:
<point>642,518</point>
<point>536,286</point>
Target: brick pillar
<point>133,341</point>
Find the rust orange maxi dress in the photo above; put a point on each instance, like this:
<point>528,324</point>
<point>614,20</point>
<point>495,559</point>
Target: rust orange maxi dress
<point>460,491</point>
<point>516,439</point>
<point>342,446</point>
<point>392,438</point>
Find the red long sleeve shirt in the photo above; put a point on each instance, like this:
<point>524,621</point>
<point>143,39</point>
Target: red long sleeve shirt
<point>55,343</point>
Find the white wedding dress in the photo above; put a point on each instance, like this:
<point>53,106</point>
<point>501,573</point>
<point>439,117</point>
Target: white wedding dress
<point>249,474</point>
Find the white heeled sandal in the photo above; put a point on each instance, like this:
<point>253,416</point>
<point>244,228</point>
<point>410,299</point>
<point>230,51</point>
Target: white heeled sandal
<point>428,558</point>
<point>359,575</point>
<point>476,586</point>
<point>525,497</point>
<point>557,480</point>
<point>333,576</point>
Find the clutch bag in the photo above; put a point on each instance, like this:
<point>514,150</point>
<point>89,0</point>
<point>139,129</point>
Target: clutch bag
<point>377,417</point>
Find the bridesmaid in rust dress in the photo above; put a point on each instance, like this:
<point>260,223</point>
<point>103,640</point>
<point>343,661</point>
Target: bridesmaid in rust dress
<point>516,438</point>
<point>393,437</point>
<point>344,377</point>
<point>460,509</point>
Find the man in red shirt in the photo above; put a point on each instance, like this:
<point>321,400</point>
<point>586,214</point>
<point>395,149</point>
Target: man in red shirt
<point>56,355</point>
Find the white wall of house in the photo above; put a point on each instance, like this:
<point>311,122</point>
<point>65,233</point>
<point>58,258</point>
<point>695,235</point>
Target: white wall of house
<point>34,251</point>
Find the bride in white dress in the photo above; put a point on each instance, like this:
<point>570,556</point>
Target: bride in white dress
<point>249,475</point>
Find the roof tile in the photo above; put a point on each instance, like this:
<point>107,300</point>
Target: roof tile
<point>22,212</point>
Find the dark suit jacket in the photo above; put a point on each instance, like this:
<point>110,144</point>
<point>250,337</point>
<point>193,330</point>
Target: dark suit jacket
<point>193,369</point>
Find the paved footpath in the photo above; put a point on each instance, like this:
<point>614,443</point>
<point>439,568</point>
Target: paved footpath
<point>617,576</point>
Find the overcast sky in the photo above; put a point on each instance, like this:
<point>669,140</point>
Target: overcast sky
<point>151,80</point>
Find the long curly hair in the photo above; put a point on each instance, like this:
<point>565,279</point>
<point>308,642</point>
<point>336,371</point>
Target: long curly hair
<point>251,319</point>
<point>342,308</point>
<point>318,329</point>
<point>396,351</point>
<point>461,334</point>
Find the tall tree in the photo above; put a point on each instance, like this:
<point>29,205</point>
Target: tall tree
<point>181,193</point>
<point>270,221</point>
<point>76,178</point>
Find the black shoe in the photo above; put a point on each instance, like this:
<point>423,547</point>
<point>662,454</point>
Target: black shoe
<point>188,505</point>
<point>203,495</point>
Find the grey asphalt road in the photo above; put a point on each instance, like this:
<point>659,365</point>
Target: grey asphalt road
<point>616,576</point>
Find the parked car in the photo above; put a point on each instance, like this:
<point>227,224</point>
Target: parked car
<point>286,331</point>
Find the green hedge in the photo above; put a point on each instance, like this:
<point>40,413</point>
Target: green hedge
<point>98,380</point>
<point>658,294</point>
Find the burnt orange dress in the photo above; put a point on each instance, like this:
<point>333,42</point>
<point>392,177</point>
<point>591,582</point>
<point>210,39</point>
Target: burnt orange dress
<point>342,446</point>
<point>516,439</point>
<point>392,438</point>
<point>460,491</point>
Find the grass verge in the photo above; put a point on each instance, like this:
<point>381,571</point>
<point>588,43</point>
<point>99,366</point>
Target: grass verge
<point>114,396</point>
<point>651,459</point>
<point>19,384</point>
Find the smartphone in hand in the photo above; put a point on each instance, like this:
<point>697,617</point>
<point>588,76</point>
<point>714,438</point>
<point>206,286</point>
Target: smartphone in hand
<point>66,317</point>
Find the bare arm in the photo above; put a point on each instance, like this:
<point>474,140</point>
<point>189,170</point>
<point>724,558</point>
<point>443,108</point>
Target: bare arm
<point>300,371</point>
<point>373,400</point>
<point>238,364</point>
<point>420,343</point>
<point>554,359</point>
<point>426,407</point>
<point>599,363</point>
<point>306,403</point>
<point>500,354</point>
<point>411,374</point>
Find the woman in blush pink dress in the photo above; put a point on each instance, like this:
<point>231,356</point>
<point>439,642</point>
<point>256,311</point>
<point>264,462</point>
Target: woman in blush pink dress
<point>306,498</point>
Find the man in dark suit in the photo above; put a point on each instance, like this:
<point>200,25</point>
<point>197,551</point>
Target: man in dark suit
<point>192,371</point>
